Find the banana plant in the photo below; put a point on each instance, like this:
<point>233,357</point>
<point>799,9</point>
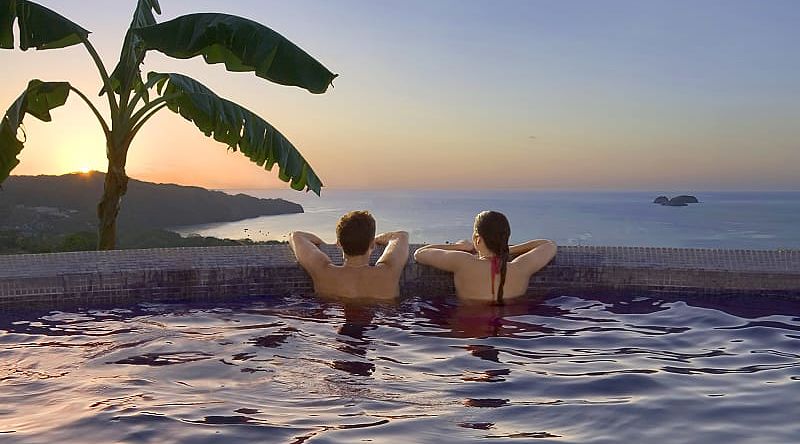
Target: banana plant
<point>133,99</point>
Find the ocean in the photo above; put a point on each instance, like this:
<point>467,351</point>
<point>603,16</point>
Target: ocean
<point>742,220</point>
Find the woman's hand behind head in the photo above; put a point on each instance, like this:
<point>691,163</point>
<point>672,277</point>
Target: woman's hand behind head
<point>465,245</point>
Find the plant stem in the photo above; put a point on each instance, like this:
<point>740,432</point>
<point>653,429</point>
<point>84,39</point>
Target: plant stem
<point>112,103</point>
<point>138,96</point>
<point>116,185</point>
<point>100,119</point>
<point>154,103</point>
<point>140,123</point>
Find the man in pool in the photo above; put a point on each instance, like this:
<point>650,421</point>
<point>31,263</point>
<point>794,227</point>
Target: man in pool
<point>356,278</point>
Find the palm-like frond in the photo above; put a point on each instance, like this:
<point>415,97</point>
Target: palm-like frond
<point>127,74</point>
<point>37,100</point>
<point>237,127</point>
<point>242,45</point>
<point>39,27</point>
<point>143,15</point>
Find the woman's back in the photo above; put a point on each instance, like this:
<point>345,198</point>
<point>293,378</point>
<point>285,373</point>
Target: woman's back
<point>474,281</point>
<point>483,268</point>
<point>473,274</point>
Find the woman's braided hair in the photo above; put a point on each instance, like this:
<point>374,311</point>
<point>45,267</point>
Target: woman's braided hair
<point>493,228</point>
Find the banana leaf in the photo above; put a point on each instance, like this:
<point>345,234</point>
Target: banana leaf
<point>126,74</point>
<point>37,100</point>
<point>237,127</point>
<point>242,45</point>
<point>143,15</point>
<point>39,27</point>
<point>8,12</point>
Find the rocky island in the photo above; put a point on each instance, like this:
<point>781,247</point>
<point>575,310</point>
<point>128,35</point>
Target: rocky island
<point>677,201</point>
<point>661,200</point>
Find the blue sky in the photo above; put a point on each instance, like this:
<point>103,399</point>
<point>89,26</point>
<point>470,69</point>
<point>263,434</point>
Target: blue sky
<point>458,94</point>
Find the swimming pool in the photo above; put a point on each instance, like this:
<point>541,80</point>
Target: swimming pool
<point>564,368</point>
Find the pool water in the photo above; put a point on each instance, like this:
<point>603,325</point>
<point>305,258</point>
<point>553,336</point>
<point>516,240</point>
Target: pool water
<point>564,369</point>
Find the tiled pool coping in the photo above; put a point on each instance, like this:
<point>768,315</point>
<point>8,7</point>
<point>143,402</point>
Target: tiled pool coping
<point>212,272</point>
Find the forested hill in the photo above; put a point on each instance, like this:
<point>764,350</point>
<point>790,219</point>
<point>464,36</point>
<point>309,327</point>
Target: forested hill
<point>68,203</point>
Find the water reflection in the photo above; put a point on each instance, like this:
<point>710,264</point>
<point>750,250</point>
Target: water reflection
<point>485,352</point>
<point>160,359</point>
<point>357,320</point>
<point>268,341</point>
<point>480,320</point>
<point>352,340</point>
<point>298,369</point>
<point>488,402</point>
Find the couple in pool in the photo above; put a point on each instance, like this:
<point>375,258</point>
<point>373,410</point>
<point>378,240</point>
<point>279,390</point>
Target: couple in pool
<point>485,269</point>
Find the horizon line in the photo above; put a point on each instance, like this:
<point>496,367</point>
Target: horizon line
<point>450,188</point>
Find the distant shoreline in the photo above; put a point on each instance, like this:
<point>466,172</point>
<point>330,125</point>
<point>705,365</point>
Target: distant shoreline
<point>40,214</point>
<point>728,220</point>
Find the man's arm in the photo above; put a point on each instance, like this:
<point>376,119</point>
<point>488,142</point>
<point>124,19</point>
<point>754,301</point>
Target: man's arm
<point>395,255</point>
<point>306,249</point>
<point>533,255</point>
<point>446,257</point>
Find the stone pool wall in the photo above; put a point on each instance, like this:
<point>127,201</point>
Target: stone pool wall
<point>220,272</point>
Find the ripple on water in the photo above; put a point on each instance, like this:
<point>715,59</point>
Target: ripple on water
<point>600,368</point>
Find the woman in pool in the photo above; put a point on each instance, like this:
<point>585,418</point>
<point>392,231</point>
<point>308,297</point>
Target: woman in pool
<point>483,268</point>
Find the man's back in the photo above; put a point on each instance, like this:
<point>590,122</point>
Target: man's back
<point>356,278</point>
<point>373,282</point>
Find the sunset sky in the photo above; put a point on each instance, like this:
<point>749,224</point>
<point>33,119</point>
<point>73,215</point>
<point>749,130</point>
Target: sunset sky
<point>468,94</point>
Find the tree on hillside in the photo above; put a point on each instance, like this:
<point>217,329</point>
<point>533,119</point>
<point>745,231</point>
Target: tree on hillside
<point>239,43</point>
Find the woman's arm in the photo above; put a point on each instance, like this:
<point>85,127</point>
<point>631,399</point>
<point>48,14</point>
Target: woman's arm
<point>533,255</point>
<point>446,257</point>
<point>516,250</point>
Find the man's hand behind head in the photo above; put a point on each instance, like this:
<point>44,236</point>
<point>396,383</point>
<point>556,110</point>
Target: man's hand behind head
<point>385,238</point>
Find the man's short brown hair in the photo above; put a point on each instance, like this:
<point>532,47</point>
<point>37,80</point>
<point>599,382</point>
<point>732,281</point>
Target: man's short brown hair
<point>355,232</point>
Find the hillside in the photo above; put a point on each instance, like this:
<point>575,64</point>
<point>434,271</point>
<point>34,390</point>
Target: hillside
<point>64,204</point>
